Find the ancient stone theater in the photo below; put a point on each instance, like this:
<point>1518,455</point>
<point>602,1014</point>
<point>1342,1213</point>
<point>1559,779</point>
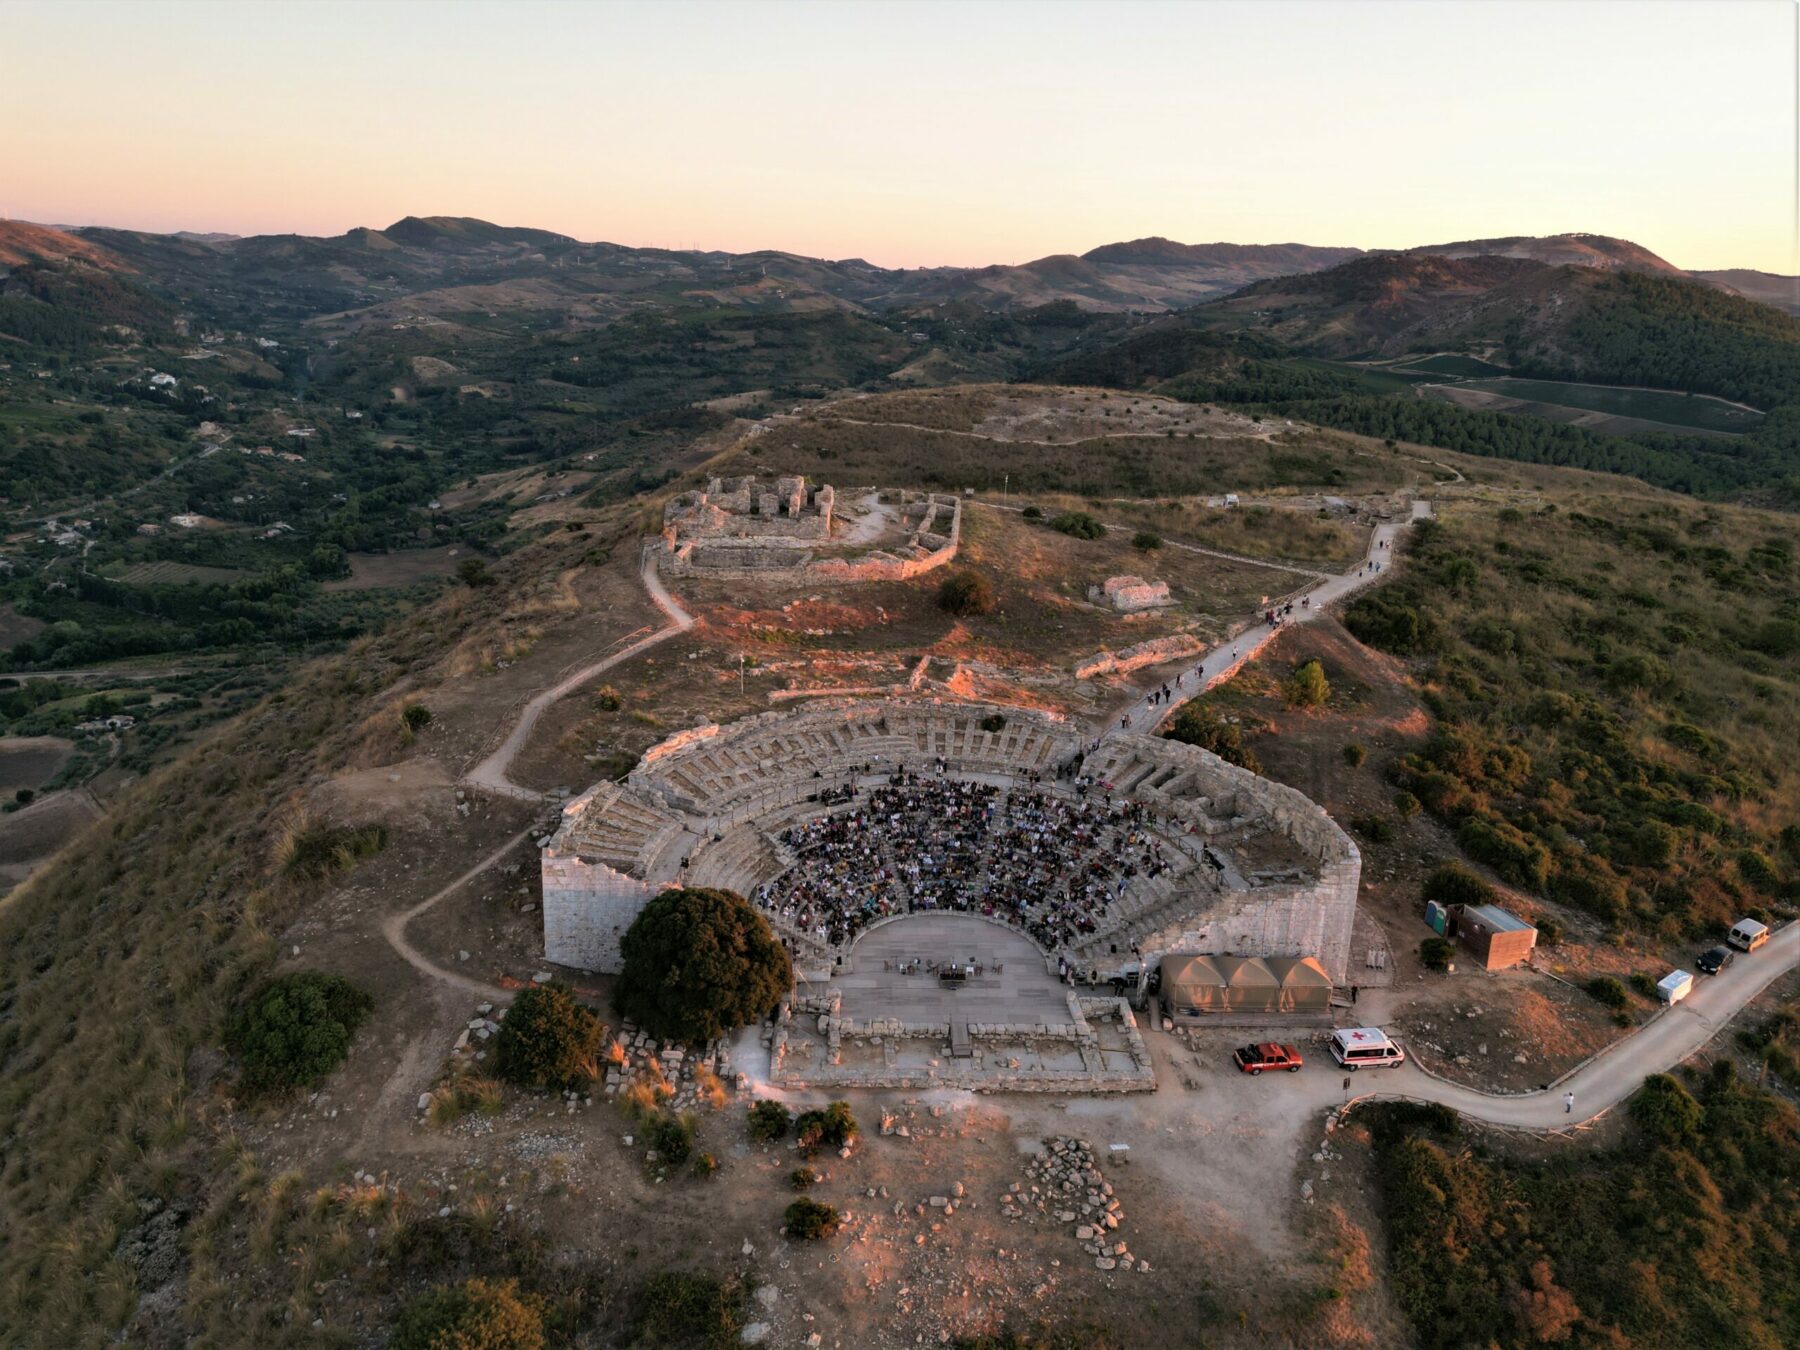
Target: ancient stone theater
<point>849,816</point>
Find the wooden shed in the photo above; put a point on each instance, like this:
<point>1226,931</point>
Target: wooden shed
<point>1497,937</point>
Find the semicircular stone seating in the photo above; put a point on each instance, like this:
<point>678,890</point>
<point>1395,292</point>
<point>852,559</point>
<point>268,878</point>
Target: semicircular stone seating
<point>849,811</point>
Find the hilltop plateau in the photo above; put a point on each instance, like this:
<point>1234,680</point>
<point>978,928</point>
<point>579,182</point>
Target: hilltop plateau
<point>335,573</point>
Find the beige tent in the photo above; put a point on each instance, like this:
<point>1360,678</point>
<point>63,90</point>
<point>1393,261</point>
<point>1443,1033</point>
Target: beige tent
<point>1192,986</point>
<point>1198,986</point>
<point>1305,987</point>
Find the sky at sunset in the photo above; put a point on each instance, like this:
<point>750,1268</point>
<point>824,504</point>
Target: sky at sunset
<point>917,134</point>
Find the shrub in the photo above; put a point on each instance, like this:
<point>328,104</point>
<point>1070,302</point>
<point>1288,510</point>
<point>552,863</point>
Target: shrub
<point>802,1177</point>
<point>965,594</point>
<point>24,796</point>
<point>1608,992</point>
<point>705,1164</point>
<point>1550,932</point>
<point>1077,523</point>
<point>416,717</point>
<point>1511,852</point>
<point>475,1315</point>
<point>1308,687</point>
<point>1033,513</point>
<point>1666,1111</point>
<point>297,1029</point>
<point>1406,804</point>
<point>699,963</point>
<point>769,1120</point>
<point>1146,541</point>
<point>1198,723</point>
<point>993,722</point>
<point>1354,755</point>
<point>1651,844</point>
<point>1383,621</point>
<point>1757,870</point>
<point>1644,984</point>
<point>1376,829</point>
<point>547,1039</point>
<point>1454,884</point>
<point>831,1128</point>
<point>808,1220</point>
<point>672,1137</point>
<point>1436,952</point>
<point>678,1309</point>
<point>608,699</point>
<point>473,573</point>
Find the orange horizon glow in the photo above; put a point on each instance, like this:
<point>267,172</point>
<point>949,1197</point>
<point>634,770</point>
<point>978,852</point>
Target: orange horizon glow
<point>917,135</point>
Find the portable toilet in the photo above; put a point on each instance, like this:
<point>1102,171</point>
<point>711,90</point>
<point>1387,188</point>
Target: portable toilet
<point>1675,986</point>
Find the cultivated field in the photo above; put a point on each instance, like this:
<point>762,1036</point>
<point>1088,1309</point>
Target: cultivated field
<point>1602,408</point>
<point>16,627</point>
<point>31,761</point>
<point>377,571</point>
<point>165,573</point>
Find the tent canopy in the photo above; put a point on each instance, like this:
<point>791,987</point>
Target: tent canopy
<point>1194,985</point>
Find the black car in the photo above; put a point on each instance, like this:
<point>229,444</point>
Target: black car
<point>1711,962</point>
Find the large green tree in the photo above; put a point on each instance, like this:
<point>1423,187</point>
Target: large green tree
<point>699,963</point>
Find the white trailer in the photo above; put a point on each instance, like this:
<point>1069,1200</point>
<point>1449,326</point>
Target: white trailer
<point>1675,986</point>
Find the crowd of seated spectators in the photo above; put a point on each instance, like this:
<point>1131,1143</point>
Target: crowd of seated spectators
<point>1050,863</point>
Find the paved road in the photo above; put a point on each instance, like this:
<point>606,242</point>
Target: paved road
<point>1228,657</point>
<point>1611,1076</point>
<point>491,774</point>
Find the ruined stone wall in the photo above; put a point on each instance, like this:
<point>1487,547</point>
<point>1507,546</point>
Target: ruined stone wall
<point>934,533</point>
<point>1151,653</point>
<point>587,908</point>
<point>1130,594</point>
<point>1309,919</point>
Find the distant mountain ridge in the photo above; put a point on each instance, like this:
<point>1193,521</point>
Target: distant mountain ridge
<point>1157,251</point>
<point>444,265</point>
<point>1599,251</point>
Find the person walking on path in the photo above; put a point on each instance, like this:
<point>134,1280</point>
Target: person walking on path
<point>1568,1103</point>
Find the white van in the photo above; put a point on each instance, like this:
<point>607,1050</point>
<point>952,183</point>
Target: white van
<point>1747,934</point>
<point>1354,1047</point>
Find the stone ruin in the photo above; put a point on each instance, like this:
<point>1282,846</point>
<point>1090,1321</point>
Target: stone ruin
<point>746,512</point>
<point>1131,595</point>
<point>747,529</point>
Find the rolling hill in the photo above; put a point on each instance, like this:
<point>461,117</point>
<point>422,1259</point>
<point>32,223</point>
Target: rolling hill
<point>1767,287</point>
<point>1343,347</point>
<point>1599,251</point>
<point>22,243</point>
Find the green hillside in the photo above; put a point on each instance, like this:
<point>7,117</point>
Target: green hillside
<point>1259,349</point>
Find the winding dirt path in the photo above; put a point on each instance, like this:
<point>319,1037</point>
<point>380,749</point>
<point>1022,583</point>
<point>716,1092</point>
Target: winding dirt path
<point>1027,440</point>
<point>491,775</point>
<point>393,928</point>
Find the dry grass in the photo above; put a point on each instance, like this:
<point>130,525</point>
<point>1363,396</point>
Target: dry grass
<point>130,953</point>
<point>826,445</point>
<point>462,1092</point>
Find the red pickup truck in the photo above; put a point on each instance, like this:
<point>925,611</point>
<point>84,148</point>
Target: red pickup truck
<point>1253,1059</point>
